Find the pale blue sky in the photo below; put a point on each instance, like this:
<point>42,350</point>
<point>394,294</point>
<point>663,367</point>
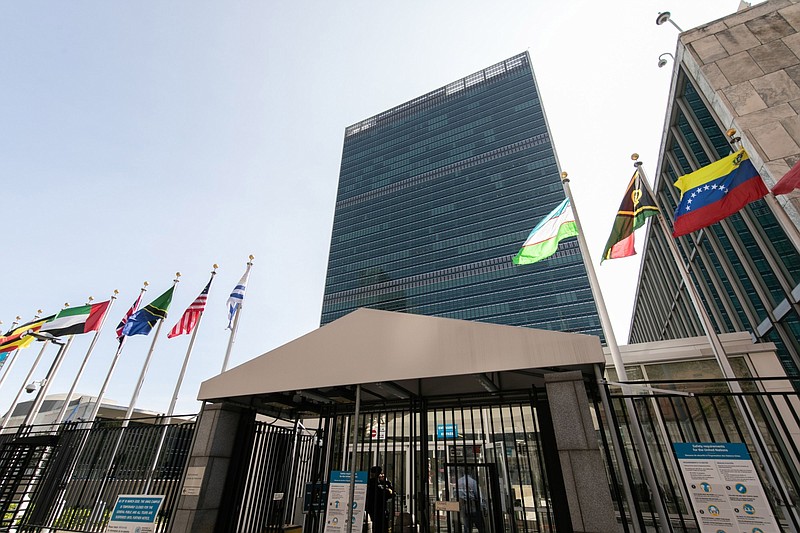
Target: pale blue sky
<point>142,138</point>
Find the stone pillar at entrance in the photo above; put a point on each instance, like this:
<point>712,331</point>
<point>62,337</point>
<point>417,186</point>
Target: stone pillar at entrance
<point>591,508</point>
<point>210,460</point>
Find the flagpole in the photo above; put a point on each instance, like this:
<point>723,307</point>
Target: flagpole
<point>786,223</point>
<point>139,384</point>
<point>174,401</point>
<point>48,380</point>
<point>619,366</point>
<point>719,354</point>
<point>101,394</point>
<point>63,410</point>
<point>167,418</point>
<point>235,327</point>
<point>27,378</point>
<point>12,356</point>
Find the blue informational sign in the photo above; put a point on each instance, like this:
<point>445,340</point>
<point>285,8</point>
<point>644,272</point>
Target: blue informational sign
<point>711,450</point>
<point>136,509</point>
<point>338,508</point>
<point>343,476</point>
<point>724,488</point>
<point>446,431</point>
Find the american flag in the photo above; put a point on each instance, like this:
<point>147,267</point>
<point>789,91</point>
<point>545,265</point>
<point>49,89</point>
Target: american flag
<point>192,314</point>
<point>121,325</point>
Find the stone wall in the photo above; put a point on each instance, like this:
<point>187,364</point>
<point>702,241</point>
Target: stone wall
<point>748,66</point>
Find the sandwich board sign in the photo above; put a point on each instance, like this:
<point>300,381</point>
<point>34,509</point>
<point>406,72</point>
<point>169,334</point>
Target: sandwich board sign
<point>723,485</point>
<point>337,511</point>
<point>134,513</point>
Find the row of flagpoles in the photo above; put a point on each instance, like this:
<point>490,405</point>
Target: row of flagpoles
<point>91,317</point>
<point>708,195</point>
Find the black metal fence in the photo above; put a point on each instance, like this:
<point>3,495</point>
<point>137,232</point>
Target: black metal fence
<point>67,477</point>
<point>764,416</point>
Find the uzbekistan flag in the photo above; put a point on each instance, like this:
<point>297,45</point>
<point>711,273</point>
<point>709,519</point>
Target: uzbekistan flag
<point>77,320</point>
<point>13,339</point>
<point>544,238</point>
<point>142,321</point>
<point>716,191</point>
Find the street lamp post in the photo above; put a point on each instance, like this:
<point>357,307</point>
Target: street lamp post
<point>45,383</point>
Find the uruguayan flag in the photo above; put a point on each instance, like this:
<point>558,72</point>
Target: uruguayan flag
<point>237,295</point>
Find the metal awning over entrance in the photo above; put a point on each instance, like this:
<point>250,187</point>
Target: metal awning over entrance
<point>395,356</point>
<point>429,400</point>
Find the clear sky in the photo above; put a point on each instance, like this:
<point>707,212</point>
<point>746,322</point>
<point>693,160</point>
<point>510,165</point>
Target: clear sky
<point>138,139</point>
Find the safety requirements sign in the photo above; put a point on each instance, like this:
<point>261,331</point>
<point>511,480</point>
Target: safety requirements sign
<point>339,496</point>
<point>134,514</point>
<point>724,488</point>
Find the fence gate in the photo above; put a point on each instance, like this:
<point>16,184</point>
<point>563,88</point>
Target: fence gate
<point>262,488</point>
<point>427,449</point>
<point>765,417</point>
<point>67,477</point>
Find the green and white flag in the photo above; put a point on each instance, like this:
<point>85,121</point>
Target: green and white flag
<point>544,238</point>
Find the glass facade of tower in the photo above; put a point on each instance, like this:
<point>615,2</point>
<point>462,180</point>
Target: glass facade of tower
<point>745,268</point>
<point>437,195</point>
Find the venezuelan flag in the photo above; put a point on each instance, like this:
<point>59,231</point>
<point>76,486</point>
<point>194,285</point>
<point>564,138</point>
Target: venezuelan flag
<point>716,191</point>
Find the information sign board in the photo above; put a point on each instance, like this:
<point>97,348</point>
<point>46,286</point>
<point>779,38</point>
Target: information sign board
<point>339,498</point>
<point>724,487</point>
<point>446,431</point>
<point>134,513</point>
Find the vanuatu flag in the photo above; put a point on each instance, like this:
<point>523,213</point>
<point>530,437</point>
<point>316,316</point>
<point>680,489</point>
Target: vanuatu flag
<point>636,206</point>
<point>77,320</point>
<point>144,320</point>
<point>13,339</point>
<point>716,191</point>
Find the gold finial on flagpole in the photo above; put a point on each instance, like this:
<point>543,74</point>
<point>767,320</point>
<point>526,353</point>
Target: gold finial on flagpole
<point>733,139</point>
<point>89,300</point>
<point>177,277</point>
<point>66,304</point>
<point>634,156</point>
<point>564,177</point>
<point>251,257</point>
<point>215,266</point>
<point>114,295</point>
<point>146,283</point>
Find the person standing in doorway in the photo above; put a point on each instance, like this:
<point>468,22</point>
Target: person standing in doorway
<point>471,504</point>
<point>379,493</point>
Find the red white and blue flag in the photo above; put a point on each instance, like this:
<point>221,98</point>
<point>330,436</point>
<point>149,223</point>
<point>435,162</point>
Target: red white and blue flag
<point>121,325</point>
<point>192,314</point>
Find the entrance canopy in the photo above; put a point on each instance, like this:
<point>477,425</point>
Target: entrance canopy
<point>399,356</point>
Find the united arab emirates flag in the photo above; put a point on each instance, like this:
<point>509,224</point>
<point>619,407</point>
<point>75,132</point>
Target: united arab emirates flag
<point>636,206</point>
<point>77,320</point>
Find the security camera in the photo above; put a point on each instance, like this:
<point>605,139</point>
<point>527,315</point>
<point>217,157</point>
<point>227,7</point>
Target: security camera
<point>30,387</point>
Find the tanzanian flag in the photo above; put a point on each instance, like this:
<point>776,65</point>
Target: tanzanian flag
<point>636,206</point>
<point>716,191</point>
<point>77,320</point>
<point>13,339</point>
<point>142,321</point>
